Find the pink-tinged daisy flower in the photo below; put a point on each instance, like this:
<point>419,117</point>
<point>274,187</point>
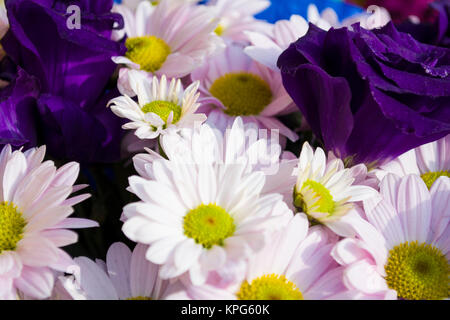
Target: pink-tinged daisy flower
<point>326,192</point>
<point>233,85</point>
<point>126,275</point>
<point>266,48</point>
<point>295,265</point>
<point>198,214</point>
<point>237,16</point>
<point>161,106</point>
<point>170,39</point>
<point>430,161</point>
<point>34,211</point>
<point>403,251</point>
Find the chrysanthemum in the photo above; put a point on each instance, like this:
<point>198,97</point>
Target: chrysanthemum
<point>170,39</point>
<point>403,251</point>
<point>197,213</point>
<point>328,18</point>
<point>242,143</point>
<point>34,210</point>
<point>430,161</point>
<point>234,85</point>
<point>126,275</point>
<point>295,265</point>
<point>267,48</point>
<point>325,190</point>
<point>161,106</point>
<point>237,16</point>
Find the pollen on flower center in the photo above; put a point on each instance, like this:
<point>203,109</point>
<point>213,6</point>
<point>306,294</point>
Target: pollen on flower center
<point>139,298</point>
<point>430,177</point>
<point>243,94</point>
<point>313,196</point>
<point>418,271</point>
<point>208,225</point>
<point>12,225</point>
<point>219,30</point>
<point>163,109</point>
<point>149,52</point>
<point>269,287</point>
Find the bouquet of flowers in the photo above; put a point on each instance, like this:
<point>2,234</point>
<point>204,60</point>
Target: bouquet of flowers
<point>224,149</point>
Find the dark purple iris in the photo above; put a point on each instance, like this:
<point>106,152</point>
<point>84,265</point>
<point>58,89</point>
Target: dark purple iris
<point>369,95</point>
<point>73,67</point>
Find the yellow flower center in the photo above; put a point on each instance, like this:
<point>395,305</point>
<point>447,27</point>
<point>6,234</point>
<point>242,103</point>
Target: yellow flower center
<point>209,225</point>
<point>220,30</point>
<point>430,177</point>
<point>242,93</point>
<point>418,272</point>
<point>149,52</point>
<point>139,298</point>
<point>269,287</point>
<point>163,109</point>
<point>314,197</point>
<point>12,226</point>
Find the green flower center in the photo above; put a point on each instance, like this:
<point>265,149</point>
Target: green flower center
<point>12,226</point>
<point>269,287</point>
<point>430,177</point>
<point>149,52</point>
<point>243,94</point>
<point>418,272</point>
<point>314,197</point>
<point>209,225</point>
<point>163,109</point>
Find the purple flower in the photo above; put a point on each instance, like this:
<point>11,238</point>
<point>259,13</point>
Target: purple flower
<point>18,110</point>
<point>369,95</point>
<point>436,33</point>
<point>73,67</point>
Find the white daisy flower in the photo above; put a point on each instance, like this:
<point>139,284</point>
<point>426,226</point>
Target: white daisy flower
<point>403,250</point>
<point>161,106</point>
<point>170,39</point>
<point>295,265</point>
<point>125,275</point>
<point>325,191</point>
<point>242,143</point>
<point>267,48</point>
<point>34,211</point>
<point>430,161</point>
<point>234,85</point>
<point>200,215</point>
<point>237,16</point>
<point>376,17</point>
